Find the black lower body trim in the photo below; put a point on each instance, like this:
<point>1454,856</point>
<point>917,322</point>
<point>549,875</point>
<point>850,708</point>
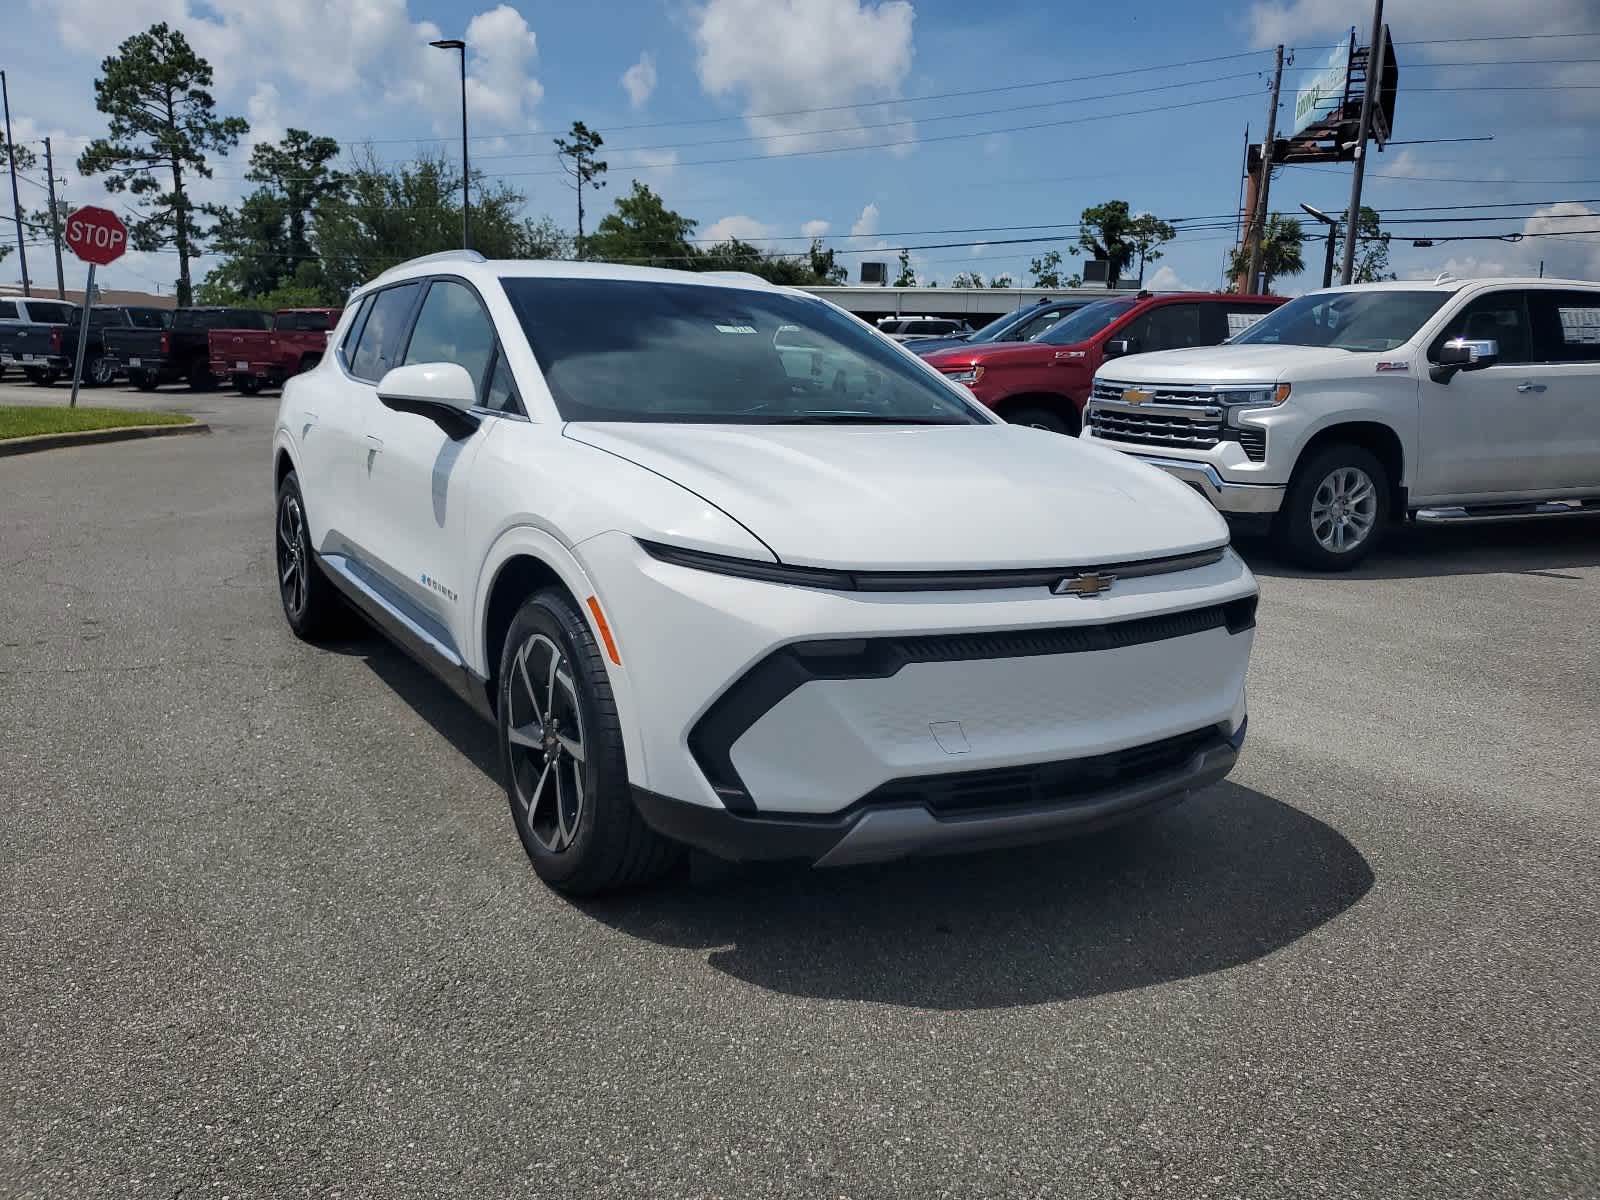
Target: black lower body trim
<point>903,823</point>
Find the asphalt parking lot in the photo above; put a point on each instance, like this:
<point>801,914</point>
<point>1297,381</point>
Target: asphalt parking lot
<point>268,931</point>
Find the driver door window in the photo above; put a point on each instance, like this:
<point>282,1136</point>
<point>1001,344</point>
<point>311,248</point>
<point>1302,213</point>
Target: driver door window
<point>1501,316</point>
<point>1170,327</point>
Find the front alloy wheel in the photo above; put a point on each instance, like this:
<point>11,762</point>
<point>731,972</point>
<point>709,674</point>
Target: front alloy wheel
<point>1344,508</point>
<point>1334,510</point>
<point>562,756</point>
<point>545,729</point>
<point>310,603</point>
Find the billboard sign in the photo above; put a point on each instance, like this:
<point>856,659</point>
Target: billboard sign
<point>1323,95</point>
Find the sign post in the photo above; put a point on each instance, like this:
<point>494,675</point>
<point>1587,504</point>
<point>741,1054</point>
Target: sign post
<point>98,237</point>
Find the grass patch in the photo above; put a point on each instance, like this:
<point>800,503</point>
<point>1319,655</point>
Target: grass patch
<point>26,420</point>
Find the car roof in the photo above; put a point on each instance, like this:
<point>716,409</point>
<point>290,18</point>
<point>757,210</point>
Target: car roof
<point>1449,283</point>
<point>474,266</point>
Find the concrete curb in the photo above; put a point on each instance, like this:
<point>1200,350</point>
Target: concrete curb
<point>92,437</point>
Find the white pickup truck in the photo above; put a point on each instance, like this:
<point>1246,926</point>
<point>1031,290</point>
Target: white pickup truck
<point>1349,407</point>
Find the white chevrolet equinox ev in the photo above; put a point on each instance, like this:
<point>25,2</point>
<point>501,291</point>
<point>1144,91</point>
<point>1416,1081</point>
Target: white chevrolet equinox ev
<point>814,603</point>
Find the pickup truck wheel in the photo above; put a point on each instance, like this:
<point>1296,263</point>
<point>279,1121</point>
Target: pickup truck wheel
<point>146,381</point>
<point>41,378</point>
<point>200,377</point>
<point>562,757</point>
<point>311,603</point>
<point>1335,509</point>
<point>248,384</point>
<point>1040,418</point>
<point>100,371</point>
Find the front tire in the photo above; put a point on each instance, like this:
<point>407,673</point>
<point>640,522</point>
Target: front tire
<point>1041,418</point>
<point>562,757</point>
<point>311,604</point>
<point>1335,509</point>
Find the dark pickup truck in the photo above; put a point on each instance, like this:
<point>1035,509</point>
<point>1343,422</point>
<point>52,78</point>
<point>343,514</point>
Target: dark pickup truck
<point>45,350</point>
<point>180,350</point>
<point>254,359</point>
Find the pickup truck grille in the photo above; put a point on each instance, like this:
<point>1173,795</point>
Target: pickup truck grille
<point>1173,415</point>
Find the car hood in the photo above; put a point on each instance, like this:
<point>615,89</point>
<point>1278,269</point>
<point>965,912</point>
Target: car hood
<point>994,354</point>
<point>922,497</point>
<point>1229,364</point>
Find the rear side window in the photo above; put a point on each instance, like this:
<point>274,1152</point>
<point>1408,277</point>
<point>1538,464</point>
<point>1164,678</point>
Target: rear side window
<point>305,322</point>
<point>378,345</point>
<point>452,327</point>
<point>1566,326</point>
<point>8,310</point>
<point>347,348</point>
<point>148,318</point>
<point>1502,316</point>
<point>1240,317</point>
<point>50,312</point>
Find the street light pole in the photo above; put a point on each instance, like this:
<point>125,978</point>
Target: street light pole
<point>16,202</point>
<point>1333,229</point>
<point>466,168</point>
<point>1369,97</point>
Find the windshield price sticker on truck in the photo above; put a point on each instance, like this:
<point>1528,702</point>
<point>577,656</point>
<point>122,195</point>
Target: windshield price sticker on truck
<point>1238,322</point>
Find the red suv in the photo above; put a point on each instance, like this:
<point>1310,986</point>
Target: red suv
<point>1045,382</point>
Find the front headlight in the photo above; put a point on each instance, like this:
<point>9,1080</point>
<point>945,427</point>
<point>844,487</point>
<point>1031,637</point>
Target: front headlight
<point>1260,397</point>
<point>967,375</point>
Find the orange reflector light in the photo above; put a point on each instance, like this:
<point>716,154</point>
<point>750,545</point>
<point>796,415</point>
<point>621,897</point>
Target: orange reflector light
<point>605,630</point>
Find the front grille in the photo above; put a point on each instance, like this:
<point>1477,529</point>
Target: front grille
<point>1197,427</point>
<point>1069,781</point>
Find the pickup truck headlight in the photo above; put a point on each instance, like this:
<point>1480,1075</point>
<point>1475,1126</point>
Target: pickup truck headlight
<point>1259,397</point>
<point>966,375</point>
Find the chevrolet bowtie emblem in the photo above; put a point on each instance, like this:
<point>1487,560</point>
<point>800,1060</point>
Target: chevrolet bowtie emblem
<point>1135,395</point>
<point>1091,583</point>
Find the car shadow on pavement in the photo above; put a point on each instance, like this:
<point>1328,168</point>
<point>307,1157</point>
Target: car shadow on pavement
<point>1226,878</point>
<point>1546,546</point>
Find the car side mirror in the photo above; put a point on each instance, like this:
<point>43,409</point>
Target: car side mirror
<point>1464,354</point>
<point>1118,347</point>
<point>441,391</point>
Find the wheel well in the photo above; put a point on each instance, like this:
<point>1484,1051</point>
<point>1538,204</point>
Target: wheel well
<point>309,360</point>
<point>280,468</point>
<point>519,577</point>
<point>1051,402</point>
<point>1378,440</point>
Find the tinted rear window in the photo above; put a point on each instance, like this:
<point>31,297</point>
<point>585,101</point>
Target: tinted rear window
<point>305,322</point>
<point>226,318</point>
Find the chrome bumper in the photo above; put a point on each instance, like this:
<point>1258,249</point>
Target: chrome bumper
<point>1226,497</point>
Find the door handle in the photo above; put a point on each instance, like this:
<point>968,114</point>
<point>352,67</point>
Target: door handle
<point>1530,387</point>
<point>374,443</point>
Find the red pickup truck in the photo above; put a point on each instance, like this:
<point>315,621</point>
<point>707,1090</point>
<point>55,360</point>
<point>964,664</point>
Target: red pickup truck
<point>256,358</point>
<point>1045,382</point>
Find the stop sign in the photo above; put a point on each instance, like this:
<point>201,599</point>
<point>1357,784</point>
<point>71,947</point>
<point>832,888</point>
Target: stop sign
<point>97,235</point>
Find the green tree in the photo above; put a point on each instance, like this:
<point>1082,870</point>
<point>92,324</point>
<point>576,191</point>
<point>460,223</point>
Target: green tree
<point>824,269</point>
<point>642,229</point>
<point>156,91</point>
<point>254,246</point>
<point>967,279</point>
<point>907,277</point>
<point>1002,281</point>
<point>1046,269</point>
<point>1372,249</point>
<point>297,171</point>
<point>1109,231</point>
<point>576,153</point>
<point>1282,243</point>
<point>391,212</point>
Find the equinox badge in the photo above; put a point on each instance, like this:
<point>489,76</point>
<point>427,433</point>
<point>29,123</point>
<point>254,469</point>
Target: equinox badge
<point>1090,583</point>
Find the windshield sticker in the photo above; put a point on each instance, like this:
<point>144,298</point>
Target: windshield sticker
<point>1394,366</point>
<point>736,328</point>
<point>1238,322</point>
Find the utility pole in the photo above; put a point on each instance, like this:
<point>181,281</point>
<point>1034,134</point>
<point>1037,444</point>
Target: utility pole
<point>16,203</point>
<point>1259,223</point>
<point>1369,97</point>
<point>55,219</point>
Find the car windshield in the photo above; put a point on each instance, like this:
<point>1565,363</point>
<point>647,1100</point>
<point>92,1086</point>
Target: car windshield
<point>706,353</point>
<point>1355,320</point>
<point>1085,323</point>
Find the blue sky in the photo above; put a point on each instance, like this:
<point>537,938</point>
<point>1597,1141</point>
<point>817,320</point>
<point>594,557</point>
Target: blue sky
<point>683,92</point>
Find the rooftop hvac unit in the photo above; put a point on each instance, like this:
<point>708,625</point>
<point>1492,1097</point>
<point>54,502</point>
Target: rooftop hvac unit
<point>875,272</point>
<point>1096,270</point>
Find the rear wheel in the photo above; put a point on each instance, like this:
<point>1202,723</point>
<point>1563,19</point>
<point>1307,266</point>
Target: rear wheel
<point>41,377</point>
<point>100,371</point>
<point>200,377</point>
<point>1335,509</point>
<point>561,752</point>
<point>146,381</point>
<point>248,384</point>
<point>1040,418</point>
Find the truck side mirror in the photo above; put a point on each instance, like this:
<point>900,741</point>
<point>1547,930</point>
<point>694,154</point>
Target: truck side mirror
<point>1464,354</point>
<point>1117,347</point>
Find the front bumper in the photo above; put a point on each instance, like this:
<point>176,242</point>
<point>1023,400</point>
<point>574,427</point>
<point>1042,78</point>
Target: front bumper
<point>1225,496</point>
<point>791,705</point>
<point>899,823</point>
